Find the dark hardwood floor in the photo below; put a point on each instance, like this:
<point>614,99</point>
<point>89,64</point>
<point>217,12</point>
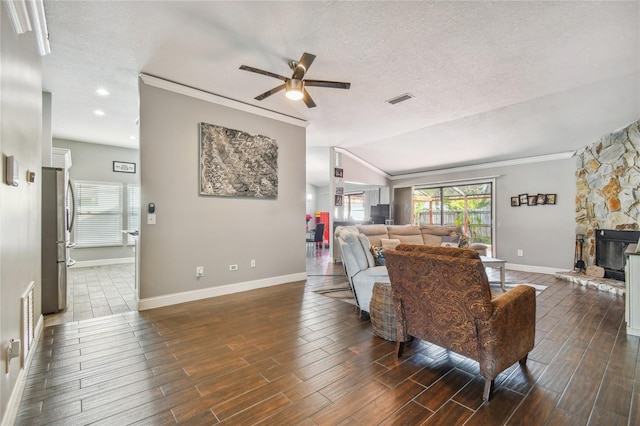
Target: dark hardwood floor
<point>285,355</point>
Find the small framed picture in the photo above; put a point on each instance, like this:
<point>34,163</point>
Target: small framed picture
<point>542,199</point>
<point>532,200</point>
<point>124,167</point>
<point>550,199</point>
<point>338,200</point>
<point>339,190</point>
<point>338,172</point>
<point>515,201</point>
<point>524,199</point>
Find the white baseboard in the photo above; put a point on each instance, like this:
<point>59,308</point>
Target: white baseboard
<point>205,293</point>
<point>103,262</point>
<point>633,331</point>
<point>536,269</point>
<point>11,412</point>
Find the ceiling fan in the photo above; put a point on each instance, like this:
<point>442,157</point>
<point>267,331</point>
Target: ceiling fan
<point>295,86</point>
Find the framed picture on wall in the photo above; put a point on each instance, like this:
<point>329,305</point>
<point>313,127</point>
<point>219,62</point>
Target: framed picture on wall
<point>515,201</point>
<point>550,199</point>
<point>339,190</point>
<point>542,198</point>
<point>338,200</point>
<point>524,199</point>
<point>338,172</point>
<point>124,167</point>
<point>532,200</point>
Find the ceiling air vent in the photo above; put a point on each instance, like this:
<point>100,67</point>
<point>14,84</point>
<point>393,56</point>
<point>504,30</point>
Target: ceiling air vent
<point>400,98</point>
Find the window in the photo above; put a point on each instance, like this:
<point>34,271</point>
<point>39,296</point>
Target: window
<point>468,205</point>
<point>354,207</point>
<point>133,210</point>
<point>99,213</point>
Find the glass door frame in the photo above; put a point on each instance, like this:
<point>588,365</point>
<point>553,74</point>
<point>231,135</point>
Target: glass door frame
<point>475,181</point>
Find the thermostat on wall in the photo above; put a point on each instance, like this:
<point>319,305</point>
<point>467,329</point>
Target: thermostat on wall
<point>11,171</point>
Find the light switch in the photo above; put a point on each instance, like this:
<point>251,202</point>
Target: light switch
<point>151,219</point>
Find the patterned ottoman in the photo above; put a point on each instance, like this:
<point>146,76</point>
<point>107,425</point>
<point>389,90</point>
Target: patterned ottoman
<point>383,315</point>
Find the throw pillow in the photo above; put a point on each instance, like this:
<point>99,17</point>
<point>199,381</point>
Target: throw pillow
<point>378,255</point>
<point>448,241</point>
<point>464,241</point>
<point>389,243</point>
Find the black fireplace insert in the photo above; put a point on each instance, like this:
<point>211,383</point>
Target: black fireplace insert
<point>610,247</point>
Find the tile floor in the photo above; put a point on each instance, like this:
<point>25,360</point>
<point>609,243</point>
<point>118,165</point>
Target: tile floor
<point>99,291</point>
<point>96,292</point>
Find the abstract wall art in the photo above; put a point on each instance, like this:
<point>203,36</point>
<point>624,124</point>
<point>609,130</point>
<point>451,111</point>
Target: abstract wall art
<point>234,163</point>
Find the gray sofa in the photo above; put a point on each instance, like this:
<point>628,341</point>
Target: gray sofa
<point>353,244</point>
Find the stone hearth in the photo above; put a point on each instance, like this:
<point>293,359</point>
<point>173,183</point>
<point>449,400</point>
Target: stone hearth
<point>602,284</point>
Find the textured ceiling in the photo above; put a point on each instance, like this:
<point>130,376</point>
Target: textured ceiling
<point>492,80</point>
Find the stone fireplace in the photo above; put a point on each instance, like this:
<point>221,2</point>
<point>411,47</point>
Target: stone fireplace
<point>608,198</point>
<point>608,187</point>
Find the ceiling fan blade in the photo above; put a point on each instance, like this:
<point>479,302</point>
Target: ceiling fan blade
<point>269,92</point>
<point>307,99</point>
<point>259,71</point>
<point>303,65</point>
<point>323,83</point>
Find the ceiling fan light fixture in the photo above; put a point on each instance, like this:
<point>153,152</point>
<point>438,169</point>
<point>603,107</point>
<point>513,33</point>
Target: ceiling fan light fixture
<point>294,89</point>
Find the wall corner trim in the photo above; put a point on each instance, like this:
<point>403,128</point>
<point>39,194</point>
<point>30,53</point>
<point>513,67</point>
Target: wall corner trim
<point>191,296</point>
<point>361,161</point>
<point>220,100</point>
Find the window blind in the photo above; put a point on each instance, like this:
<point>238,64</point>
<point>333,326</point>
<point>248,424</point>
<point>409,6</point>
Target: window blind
<point>133,210</point>
<point>99,213</point>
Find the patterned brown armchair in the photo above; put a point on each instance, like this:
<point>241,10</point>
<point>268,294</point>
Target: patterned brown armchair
<point>443,296</point>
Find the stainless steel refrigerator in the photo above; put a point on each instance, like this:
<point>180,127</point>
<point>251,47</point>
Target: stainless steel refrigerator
<point>57,223</point>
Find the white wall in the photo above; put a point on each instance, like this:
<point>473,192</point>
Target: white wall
<point>545,233</point>
<point>311,203</point>
<point>21,130</point>
<point>356,172</point>
<point>94,162</point>
<point>213,232</point>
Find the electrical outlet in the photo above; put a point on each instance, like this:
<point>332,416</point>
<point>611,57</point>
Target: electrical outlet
<point>253,263</point>
<point>520,252</point>
<point>233,267</point>
<point>199,271</point>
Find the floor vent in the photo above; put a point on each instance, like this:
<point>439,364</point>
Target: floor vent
<point>28,321</point>
<point>400,98</point>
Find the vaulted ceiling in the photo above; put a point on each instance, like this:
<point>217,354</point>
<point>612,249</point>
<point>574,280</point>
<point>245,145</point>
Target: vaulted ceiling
<point>490,81</point>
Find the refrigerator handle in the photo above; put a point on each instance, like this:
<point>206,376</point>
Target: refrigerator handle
<point>73,206</point>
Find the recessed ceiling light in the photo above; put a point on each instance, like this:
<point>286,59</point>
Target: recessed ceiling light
<point>133,138</point>
<point>99,112</point>
<point>102,92</point>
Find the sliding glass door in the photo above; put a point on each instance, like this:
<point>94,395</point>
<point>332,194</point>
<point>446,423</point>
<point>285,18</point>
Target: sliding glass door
<point>468,206</point>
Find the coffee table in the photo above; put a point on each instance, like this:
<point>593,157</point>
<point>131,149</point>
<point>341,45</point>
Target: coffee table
<point>495,263</point>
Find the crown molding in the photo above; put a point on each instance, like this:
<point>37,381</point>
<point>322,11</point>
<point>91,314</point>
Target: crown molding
<point>40,26</point>
<point>28,16</point>
<point>505,163</point>
<point>18,15</point>
<point>192,92</point>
